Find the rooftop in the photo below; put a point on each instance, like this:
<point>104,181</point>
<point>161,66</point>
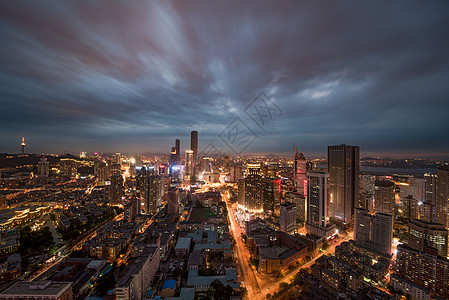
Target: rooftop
<point>41,288</point>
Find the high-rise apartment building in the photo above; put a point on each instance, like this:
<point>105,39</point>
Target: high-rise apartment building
<point>172,204</point>
<point>287,219</point>
<point>116,189</point>
<point>423,269</point>
<point>384,197</point>
<point>343,168</point>
<point>300,202</point>
<point>430,188</point>
<point>300,172</point>
<point>194,149</point>
<point>317,222</point>
<point>271,193</point>
<point>374,231</point>
<point>151,189</point>
<point>442,197</point>
<point>410,208</point>
<point>428,237</point>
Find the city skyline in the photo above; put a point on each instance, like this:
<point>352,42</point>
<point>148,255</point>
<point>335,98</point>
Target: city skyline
<point>133,78</point>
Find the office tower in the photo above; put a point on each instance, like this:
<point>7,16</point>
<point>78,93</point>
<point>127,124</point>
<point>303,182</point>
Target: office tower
<point>23,145</point>
<point>300,172</point>
<point>430,188</point>
<point>300,202</point>
<point>287,217</point>
<point>253,189</point>
<point>317,204</point>
<point>384,197</point>
<point>427,212</point>
<point>442,197</point>
<point>116,190</point>
<point>151,188</point>
<point>189,165</point>
<point>194,148</point>
<point>235,173</point>
<point>206,164</point>
<point>366,201</point>
<point>423,269</point>
<point>43,167</point>
<point>343,168</point>
<point>178,151</point>
<point>172,204</point>
<point>427,237</point>
<point>173,156</point>
<point>271,194</point>
<point>373,231</point>
<point>410,208</point>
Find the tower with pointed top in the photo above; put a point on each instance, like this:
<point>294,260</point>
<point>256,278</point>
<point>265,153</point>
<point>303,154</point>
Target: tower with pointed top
<point>23,145</point>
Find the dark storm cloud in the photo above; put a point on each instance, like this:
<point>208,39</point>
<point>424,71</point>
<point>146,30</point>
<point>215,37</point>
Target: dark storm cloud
<point>119,76</point>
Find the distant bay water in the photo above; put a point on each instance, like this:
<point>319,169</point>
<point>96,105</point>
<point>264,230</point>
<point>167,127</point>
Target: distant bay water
<point>385,170</point>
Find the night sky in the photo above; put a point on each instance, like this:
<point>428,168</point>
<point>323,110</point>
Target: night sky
<point>131,77</point>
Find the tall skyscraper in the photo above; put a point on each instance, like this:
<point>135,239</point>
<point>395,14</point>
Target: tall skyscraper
<point>384,197</point>
<point>287,219</point>
<point>343,168</point>
<point>300,202</point>
<point>271,194</point>
<point>300,172</point>
<point>194,148</point>
<point>172,204</point>
<point>442,198</point>
<point>374,232</point>
<point>253,189</point>
<point>23,145</point>
<point>428,237</point>
<point>116,189</point>
<point>189,164</point>
<point>317,204</point>
<point>151,189</point>
<point>430,188</point>
<point>178,151</point>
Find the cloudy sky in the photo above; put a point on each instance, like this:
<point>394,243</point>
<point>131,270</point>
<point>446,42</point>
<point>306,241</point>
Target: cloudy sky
<point>131,77</point>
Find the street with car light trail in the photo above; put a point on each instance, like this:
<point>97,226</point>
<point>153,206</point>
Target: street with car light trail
<point>257,285</point>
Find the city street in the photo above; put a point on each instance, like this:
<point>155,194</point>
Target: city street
<point>259,286</point>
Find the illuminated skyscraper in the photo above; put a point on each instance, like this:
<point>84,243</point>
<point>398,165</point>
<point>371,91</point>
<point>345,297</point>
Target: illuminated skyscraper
<point>189,164</point>
<point>178,151</point>
<point>300,172</point>
<point>287,219</point>
<point>343,167</point>
<point>384,197</point>
<point>271,193</point>
<point>194,149</point>
<point>253,189</point>
<point>430,188</point>
<point>317,205</point>
<point>442,198</point>
<point>374,231</point>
